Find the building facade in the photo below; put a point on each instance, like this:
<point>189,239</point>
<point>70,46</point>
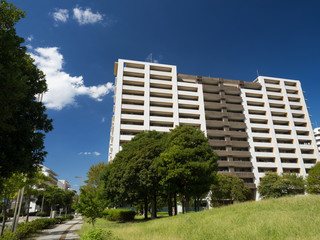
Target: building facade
<point>254,127</point>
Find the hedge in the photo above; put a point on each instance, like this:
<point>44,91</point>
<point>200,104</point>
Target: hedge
<point>42,214</point>
<point>25,229</point>
<point>119,215</point>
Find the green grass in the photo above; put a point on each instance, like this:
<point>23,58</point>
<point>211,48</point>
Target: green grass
<point>284,218</point>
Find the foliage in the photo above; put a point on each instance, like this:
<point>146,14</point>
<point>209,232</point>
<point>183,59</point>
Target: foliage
<point>119,215</point>
<point>54,195</point>
<point>188,164</point>
<point>313,180</point>
<point>132,177</point>
<point>94,175</point>
<point>21,147</point>
<point>90,205</point>
<point>98,234</point>
<point>25,229</point>
<point>273,185</point>
<point>228,189</point>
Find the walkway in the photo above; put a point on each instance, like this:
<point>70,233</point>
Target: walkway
<point>65,231</point>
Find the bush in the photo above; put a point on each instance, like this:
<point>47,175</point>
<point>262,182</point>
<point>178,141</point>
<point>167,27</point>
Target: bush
<point>42,214</point>
<point>25,229</point>
<point>119,215</point>
<point>98,234</point>
<point>1,217</point>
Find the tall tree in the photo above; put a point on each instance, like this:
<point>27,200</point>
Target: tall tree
<point>313,179</point>
<point>21,147</point>
<point>188,165</point>
<point>133,176</point>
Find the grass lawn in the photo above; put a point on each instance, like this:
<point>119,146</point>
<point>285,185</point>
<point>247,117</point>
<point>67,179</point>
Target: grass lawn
<point>285,218</point>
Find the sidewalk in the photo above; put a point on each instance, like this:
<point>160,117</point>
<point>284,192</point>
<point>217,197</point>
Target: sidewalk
<point>65,231</point>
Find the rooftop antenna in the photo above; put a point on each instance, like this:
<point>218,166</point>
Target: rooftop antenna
<point>258,73</point>
<point>316,124</point>
<point>151,57</point>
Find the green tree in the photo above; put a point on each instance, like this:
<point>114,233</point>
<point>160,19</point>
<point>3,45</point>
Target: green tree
<point>313,179</point>
<point>132,175</point>
<point>54,196</point>
<point>8,193</point>
<point>273,185</point>
<point>94,175</point>
<point>21,147</point>
<point>187,166</point>
<point>90,205</point>
<point>227,189</point>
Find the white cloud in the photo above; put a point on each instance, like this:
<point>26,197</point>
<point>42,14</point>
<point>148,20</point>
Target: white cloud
<point>30,38</point>
<point>61,15</point>
<point>63,88</point>
<point>89,153</point>
<point>86,16</point>
<point>103,120</point>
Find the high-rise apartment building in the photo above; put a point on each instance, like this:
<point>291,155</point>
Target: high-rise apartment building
<point>254,127</point>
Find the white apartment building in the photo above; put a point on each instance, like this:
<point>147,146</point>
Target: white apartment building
<point>254,127</point>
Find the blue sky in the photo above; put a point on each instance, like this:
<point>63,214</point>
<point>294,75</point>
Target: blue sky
<point>77,42</point>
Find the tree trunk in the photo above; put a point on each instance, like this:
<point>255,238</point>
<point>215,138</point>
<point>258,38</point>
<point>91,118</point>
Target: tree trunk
<point>28,207</point>
<point>42,203</point>
<point>65,211</point>
<point>195,204</point>
<point>175,204</point>
<point>183,205</point>
<point>146,208</point>
<point>169,205</point>
<point>154,207</point>
<point>187,204</point>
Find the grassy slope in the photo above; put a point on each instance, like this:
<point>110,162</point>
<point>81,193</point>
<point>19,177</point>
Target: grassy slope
<point>285,218</point>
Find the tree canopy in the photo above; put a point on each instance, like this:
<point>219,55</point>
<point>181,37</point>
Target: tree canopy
<point>273,185</point>
<point>154,165</point>
<point>313,179</point>
<point>23,121</point>
<point>227,189</point>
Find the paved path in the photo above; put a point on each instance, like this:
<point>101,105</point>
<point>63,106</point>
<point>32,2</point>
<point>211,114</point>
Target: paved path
<point>65,231</point>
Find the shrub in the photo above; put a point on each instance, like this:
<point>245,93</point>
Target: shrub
<point>42,214</point>
<point>98,234</point>
<point>1,217</point>
<point>119,215</point>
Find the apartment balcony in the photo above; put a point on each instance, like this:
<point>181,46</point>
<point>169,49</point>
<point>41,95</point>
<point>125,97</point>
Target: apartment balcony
<point>160,90</point>
<point>266,165</point>
<point>234,164</point>
<point>264,154</point>
<point>133,79</point>
<point>288,155</point>
<point>238,143</point>
<point>189,111</point>
<point>290,165</point>
<point>131,127</point>
<point>211,89</point>
<point>161,119</point>
<point>243,174</point>
<point>213,123</point>
<point>161,109</point>
<point>189,121</point>
<point>237,125</point>
<point>132,107</point>
<point>160,73</point>
<point>133,70</point>
<point>165,83</point>
<point>160,99</point>
<point>211,97</point>
<point>160,129</point>
<point>132,97</point>
<point>132,117</point>
<point>133,88</point>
